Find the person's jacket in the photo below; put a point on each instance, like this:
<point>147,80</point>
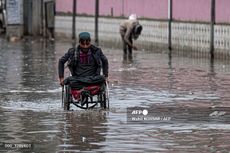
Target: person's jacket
<point>72,56</point>
<point>127,29</point>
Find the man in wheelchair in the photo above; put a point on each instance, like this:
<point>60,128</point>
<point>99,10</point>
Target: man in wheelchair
<point>85,63</point>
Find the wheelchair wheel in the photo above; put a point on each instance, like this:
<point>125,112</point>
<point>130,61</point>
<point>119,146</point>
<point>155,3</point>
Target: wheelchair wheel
<point>102,99</point>
<point>67,98</point>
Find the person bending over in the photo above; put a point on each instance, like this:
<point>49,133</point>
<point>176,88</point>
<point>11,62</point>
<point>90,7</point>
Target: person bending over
<point>130,29</point>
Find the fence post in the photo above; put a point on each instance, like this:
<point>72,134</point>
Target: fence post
<point>213,16</point>
<point>96,22</point>
<point>74,21</point>
<point>123,8</point>
<point>169,24</point>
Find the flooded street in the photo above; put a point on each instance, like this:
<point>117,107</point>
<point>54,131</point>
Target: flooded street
<point>192,93</point>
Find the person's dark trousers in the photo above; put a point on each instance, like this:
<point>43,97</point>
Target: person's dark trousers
<point>130,48</point>
<point>125,46</point>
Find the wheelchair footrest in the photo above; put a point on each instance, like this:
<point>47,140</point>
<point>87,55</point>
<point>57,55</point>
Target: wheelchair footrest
<point>86,91</point>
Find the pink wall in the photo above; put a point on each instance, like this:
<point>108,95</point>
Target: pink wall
<point>64,5</point>
<point>106,5</point>
<point>186,10</point>
<point>192,10</point>
<point>143,8</point>
<point>157,9</point>
<point>223,11</point>
<point>86,7</point>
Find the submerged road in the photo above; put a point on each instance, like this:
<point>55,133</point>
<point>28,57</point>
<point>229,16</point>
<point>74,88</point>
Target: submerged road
<point>158,103</point>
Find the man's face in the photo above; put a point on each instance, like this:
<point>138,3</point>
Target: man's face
<point>85,44</point>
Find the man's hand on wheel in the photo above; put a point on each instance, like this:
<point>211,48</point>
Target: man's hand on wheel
<point>61,81</point>
<point>107,79</point>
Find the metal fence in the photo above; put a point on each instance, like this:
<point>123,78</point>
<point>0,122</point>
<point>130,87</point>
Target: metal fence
<point>199,13</point>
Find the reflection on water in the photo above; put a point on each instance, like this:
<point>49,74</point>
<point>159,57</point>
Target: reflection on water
<point>31,111</point>
<point>82,131</point>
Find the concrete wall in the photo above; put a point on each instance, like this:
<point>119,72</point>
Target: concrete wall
<point>14,18</point>
<point>36,17</point>
<point>189,37</point>
<point>194,35</point>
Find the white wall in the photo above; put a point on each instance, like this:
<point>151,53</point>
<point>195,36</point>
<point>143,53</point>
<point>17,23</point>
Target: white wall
<point>186,36</point>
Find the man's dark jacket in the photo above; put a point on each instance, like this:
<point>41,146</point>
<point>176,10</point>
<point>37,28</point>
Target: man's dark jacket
<point>72,56</point>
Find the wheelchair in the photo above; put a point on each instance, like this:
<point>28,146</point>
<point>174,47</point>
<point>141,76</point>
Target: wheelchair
<point>88,97</point>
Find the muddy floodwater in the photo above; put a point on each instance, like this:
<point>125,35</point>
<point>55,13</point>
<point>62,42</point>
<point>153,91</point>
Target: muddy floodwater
<point>159,103</point>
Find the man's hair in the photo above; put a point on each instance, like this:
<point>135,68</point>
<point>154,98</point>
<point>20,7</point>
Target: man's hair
<point>138,29</point>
